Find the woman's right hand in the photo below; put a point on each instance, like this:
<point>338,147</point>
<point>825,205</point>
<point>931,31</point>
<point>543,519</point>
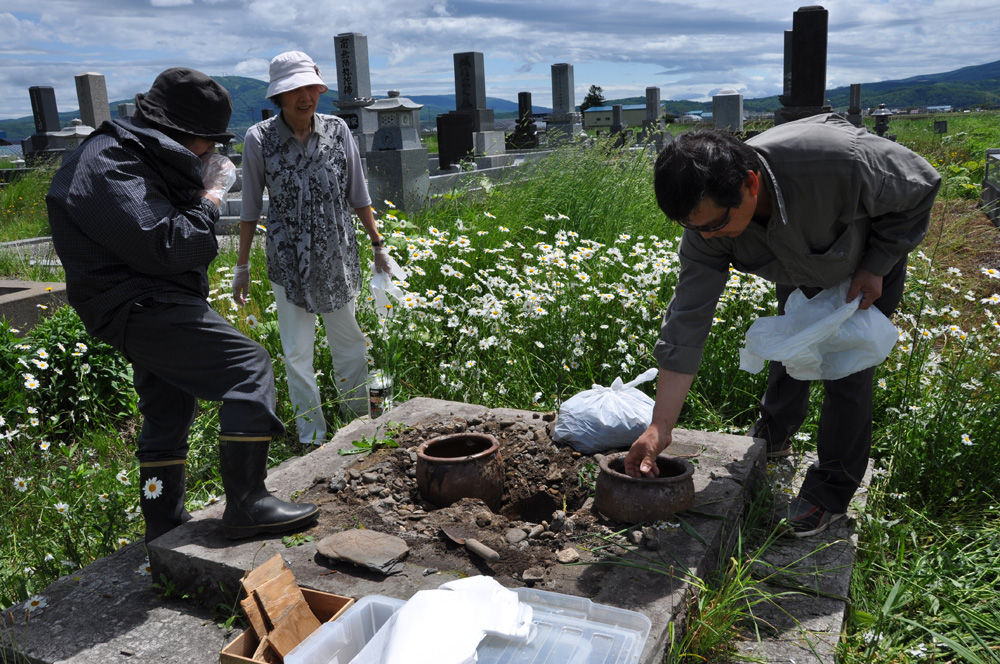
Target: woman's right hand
<point>241,284</point>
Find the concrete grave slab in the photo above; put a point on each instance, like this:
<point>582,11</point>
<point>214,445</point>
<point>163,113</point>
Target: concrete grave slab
<point>653,582</point>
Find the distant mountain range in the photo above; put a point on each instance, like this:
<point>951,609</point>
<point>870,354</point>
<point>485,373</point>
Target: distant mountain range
<point>975,86</point>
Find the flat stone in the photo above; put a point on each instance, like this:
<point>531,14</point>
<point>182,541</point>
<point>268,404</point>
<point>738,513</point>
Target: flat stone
<point>567,556</point>
<point>377,551</point>
<point>515,535</point>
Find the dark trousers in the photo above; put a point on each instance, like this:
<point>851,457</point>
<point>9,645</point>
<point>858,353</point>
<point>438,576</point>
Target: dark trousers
<point>845,424</point>
<point>182,351</point>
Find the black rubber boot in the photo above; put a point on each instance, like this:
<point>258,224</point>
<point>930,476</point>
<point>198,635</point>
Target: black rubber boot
<point>250,507</point>
<point>161,496</point>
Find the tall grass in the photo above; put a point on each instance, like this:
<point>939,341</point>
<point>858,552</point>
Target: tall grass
<point>521,295</point>
<point>22,206</point>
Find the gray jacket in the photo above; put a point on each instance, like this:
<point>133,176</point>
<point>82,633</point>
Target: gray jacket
<point>844,199</point>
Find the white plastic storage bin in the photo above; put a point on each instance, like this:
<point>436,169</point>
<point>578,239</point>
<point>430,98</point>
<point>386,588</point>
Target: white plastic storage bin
<point>567,629</point>
<point>339,641</point>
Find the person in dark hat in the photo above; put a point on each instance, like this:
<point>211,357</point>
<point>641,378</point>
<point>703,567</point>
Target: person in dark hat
<point>133,213</point>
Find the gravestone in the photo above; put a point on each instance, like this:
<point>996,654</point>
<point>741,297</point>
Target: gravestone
<point>805,66</point>
<point>652,128</point>
<point>470,89</point>
<point>454,132</point>
<point>617,123</point>
<point>92,93</point>
<point>44,144</point>
<point>854,105</point>
<point>618,126</point>
<point>456,137</point>
<point>564,122</point>
<point>727,110</point>
<point>354,88</point>
<point>126,110</point>
<point>397,162</point>
<point>652,106</point>
<point>525,134</point>
<point>43,108</point>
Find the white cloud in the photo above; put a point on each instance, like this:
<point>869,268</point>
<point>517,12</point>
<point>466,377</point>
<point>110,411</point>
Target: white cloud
<point>687,49</point>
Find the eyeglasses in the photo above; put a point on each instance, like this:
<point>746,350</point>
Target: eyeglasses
<point>711,226</point>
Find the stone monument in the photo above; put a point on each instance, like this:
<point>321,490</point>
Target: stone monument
<point>92,93</point>
<point>805,66</point>
<point>564,122</point>
<point>854,106</point>
<point>525,134</point>
<point>126,110</point>
<point>397,160</point>
<point>727,110</point>
<point>45,143</point>
<point>354,88</point>
<point>469,128</point>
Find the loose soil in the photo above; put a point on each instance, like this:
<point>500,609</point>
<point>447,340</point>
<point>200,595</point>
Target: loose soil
<point>545,518</point>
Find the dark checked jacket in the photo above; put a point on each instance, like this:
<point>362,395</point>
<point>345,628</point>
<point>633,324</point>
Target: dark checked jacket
<point>128,223</point>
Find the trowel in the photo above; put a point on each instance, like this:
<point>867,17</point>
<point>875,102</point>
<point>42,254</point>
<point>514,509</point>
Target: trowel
<point>457,535</point>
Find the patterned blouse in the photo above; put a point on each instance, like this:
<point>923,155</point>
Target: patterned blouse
<point>311,248</point>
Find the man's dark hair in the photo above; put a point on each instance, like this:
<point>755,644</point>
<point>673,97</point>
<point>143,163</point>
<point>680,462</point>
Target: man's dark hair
<point>698,164</point>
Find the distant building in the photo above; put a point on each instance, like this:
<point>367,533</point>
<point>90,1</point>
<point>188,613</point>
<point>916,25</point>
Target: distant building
<point>596,117</point>
<point>940,109</point>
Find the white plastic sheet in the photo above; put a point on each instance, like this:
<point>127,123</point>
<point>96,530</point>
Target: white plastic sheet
<point>605,418</point>
<point>445,626</point>
<point>823,338</point>
<point>382,286</point>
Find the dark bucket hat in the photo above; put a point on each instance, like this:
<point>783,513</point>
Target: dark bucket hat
<point>190,102</point>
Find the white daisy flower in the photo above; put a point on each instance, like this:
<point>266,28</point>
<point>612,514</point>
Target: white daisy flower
<point>152,488</point>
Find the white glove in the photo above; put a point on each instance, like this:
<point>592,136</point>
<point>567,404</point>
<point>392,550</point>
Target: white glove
<point>385,263</point>
<point>241,284</point>
<point>218,174</point>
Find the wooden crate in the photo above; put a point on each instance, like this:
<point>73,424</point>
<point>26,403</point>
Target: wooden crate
<point>325,606</point>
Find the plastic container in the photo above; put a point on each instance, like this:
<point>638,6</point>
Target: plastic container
<point>567,629</point>
<point>339,641</point>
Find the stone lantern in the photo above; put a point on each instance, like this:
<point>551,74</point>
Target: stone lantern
<point>881,116</point>
<point>397,161</point>
<point>398,123</point>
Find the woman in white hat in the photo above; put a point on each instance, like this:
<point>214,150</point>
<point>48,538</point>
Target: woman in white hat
<point>311,167</point>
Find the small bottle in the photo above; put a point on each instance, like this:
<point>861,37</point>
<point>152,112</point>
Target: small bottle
<point>379,393</point>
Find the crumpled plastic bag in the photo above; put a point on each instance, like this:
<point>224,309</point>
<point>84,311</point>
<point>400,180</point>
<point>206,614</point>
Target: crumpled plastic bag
<point>382,286</point>
<point>605,418</point>
<point>823,338</point>
<point>445,626</point>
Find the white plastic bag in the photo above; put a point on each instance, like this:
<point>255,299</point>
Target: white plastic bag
<point>823,338</point>
<point>605,418</point>
<point>382,285</point>
<point>445,626</point>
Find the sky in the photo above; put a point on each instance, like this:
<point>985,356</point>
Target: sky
<point>690,50</point>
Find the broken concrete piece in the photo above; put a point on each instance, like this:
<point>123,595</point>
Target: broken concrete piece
<point>377,551</point>
<point>533,574</point>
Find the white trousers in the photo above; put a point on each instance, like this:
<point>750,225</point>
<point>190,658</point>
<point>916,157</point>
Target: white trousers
<point>348,346</point>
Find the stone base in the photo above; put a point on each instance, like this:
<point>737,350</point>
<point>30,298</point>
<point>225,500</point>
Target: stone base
<point>560,131</point>
<point>399,176</point>
<point>488,143</point>
<point>21,301</point>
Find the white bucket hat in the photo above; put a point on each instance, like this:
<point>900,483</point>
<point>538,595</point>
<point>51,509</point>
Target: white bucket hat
<point>291,70</point>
